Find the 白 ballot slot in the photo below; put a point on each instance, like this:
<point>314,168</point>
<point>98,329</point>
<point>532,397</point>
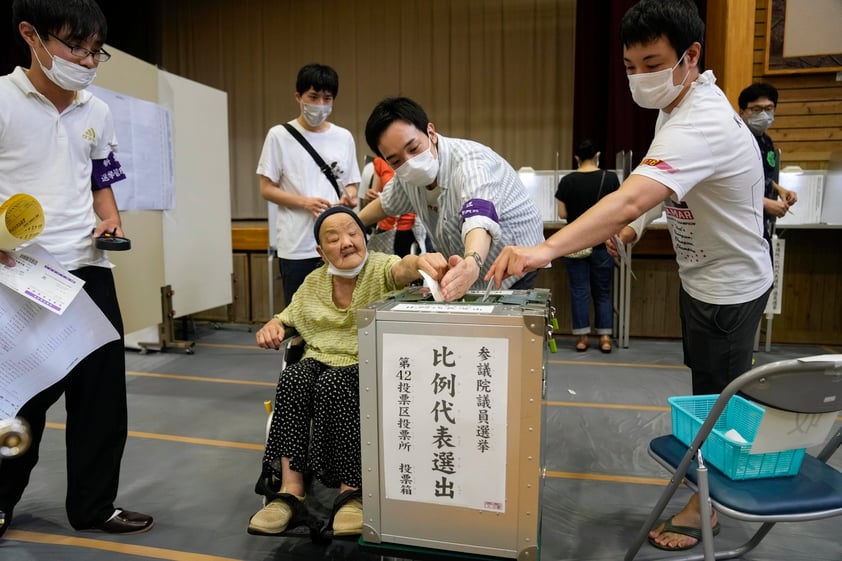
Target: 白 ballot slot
<point>451,413</point>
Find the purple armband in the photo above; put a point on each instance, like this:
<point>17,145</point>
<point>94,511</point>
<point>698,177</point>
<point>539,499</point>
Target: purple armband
<point>105,172</point>
<point>479,207</point>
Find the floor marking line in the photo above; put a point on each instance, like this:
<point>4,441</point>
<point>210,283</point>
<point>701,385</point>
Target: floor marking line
<point>115,547</point>
<point>659,408</point>
<point>610,478</point>
<point>619,364</point>
<point>181,439</point>
<point>585,405</point>
<point>200,379</point>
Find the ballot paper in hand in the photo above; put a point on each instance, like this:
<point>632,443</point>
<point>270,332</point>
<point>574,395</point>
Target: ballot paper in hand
<point>621,250</point>
<point>433,285</point>
<point>39,277</point>
<point>38,348</point>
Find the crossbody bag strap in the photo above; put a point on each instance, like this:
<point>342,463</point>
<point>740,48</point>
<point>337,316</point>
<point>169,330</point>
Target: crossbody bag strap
<point>325,169</point>
<point>601,181</point>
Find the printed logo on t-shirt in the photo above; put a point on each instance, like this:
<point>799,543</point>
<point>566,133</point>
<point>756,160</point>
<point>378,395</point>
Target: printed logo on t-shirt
<point>660,164</point>
<point>336,170</point>
<point>682,224</point>
<point>89,135</point>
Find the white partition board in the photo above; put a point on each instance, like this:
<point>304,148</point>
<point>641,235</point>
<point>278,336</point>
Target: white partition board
<point>809,186</point>
<point>197,232</point>
<point>188,247</point>
<point>832,203</point>
<point>139,273</point>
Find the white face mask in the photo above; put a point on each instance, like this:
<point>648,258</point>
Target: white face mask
<point>655,90</point>
<point>760,122</point>
<point>65,74</point>
<point>315,115</point>
<point>345,273</point>
<point>420,170</point>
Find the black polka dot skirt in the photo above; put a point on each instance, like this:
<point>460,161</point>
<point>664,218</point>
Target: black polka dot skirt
<point>330,397</point>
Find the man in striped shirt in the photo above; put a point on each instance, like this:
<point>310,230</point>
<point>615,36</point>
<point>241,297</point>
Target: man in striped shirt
<point>470,199</point>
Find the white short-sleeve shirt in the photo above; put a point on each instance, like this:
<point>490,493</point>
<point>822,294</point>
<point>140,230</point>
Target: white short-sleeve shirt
<point>469,171</point>
<point>49,155</point>
<point>285,162</point>
<point>705,154</point>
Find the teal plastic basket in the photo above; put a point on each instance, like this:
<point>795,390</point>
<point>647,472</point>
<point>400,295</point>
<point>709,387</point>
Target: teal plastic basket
<point>729,457</point>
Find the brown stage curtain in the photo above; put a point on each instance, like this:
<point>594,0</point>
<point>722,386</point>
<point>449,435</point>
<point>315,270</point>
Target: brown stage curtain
<point>605,111</point>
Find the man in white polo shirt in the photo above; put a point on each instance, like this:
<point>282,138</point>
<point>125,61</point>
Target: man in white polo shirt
<point>57,144</point>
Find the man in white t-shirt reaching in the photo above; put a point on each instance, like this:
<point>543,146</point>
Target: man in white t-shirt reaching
<point>291,178</point>
<point>704,168</point>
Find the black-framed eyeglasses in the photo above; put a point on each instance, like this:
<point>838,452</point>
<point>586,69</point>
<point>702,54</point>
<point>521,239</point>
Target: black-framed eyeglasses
<point>100,55</point>
<point>757,109</point>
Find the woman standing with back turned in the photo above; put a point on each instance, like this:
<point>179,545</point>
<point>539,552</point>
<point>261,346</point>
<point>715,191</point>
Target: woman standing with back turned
<point>590,274</point>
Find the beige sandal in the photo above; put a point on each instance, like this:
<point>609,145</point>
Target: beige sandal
<point>605,343</point>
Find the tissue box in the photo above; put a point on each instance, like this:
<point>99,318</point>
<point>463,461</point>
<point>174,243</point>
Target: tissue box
<point>729,457</point>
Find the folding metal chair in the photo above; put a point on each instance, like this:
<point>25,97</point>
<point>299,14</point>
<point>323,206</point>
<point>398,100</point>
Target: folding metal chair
<point>810,385</point>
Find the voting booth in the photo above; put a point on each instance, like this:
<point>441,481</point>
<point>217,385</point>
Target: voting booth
<point>451,418</point>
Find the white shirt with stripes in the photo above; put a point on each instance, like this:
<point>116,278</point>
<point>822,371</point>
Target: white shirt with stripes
<point>470,171</point>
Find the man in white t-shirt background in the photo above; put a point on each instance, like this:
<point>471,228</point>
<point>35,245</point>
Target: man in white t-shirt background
<point>291,179</point>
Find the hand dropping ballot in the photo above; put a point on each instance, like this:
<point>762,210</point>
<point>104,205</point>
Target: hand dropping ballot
<point>433,285</point>
<point>36,275</point>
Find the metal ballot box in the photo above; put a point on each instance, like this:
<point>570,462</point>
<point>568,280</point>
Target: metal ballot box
<point>451,418</point>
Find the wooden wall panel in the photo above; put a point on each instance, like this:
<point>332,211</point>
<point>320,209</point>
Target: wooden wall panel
<point>811,310</point>
<point>812,291</point>
<point>259,283</point>
<point>729,34</point>
<point>556,280</point>
<point>239,309</point>
<point>654,298</point>
<point>241,306</point>
<point>808,125</point>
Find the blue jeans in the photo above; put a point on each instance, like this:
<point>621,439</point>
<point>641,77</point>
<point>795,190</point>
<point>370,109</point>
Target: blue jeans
<point>589,277</point>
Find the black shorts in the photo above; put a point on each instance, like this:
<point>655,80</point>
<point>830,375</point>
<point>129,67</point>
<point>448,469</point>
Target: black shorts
<point>718,340</point>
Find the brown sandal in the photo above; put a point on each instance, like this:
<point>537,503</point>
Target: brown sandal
<point>582,343</point>
<point>605,344</point>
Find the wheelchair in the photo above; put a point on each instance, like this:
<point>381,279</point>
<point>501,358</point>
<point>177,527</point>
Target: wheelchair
<point>15,439</point>
<point>319,529</point>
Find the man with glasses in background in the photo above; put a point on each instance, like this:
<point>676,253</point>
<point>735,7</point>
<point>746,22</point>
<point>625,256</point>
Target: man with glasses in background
<point>757,108</point>
<point>57,144</point>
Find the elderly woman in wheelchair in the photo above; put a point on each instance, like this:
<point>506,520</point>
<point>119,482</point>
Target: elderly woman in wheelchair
<point>323,386</point>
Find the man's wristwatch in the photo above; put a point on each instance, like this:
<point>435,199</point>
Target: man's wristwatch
<point>476,258</point>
